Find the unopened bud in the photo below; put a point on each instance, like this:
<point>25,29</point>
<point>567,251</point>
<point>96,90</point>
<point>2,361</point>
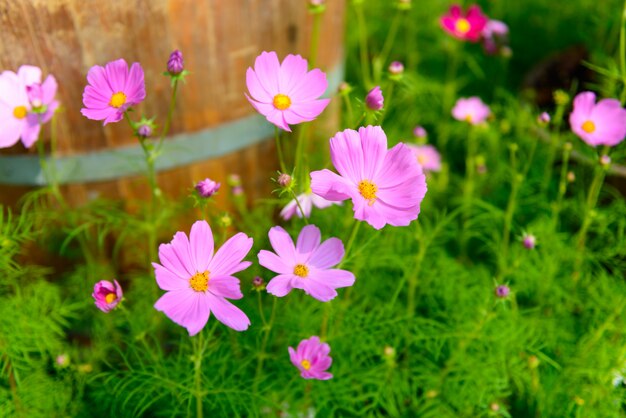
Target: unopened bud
<point>396,68</point>
<point>605,161</point>
<point>502,291</point>
<point>175,64</point>
<point>284,180</point>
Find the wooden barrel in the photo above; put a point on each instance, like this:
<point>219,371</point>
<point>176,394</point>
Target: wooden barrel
<point>215,132</point>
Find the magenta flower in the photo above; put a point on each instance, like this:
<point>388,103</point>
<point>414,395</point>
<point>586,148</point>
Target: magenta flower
<point>112,89</point>
<point>420,132</point>
<point>386,186</point>
<point>307,265</point>
<point>207,187</point>
<point>468,27</point>
<point>502,291</point>
<point>471,110</point>
<point>175,64</point>
<point>598,124</point>
<point>529,241</point>
<point>374,99</point>
<point>312,359</point>
<point>427,157</point>
<point>198,282</point>
<point>307,201</point>
<point>107,295</point>
<point>543,118</point>
<point>25,104</point>
<point>286,94</point>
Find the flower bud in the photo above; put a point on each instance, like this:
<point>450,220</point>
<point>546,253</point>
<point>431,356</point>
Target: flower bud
<point>107,295</point>
<point>567,146</point>
<point>396,68</point>
<point>284,180</point>
<point>605,161</point>
<point>144,131</point>
<point>207,188</point>
<point>63,360</point>
<point>258,283</point>
<point>420,132</point>
<point>175,65</point>
<point>237,191</point>
<point>543,118</point>
<point>344,88</point>
<point>561,98</point>
<point>374,99</point>
<point>529,241</point>
<point>571,177</point>
<point>502,291</point>
<point>233,180</point>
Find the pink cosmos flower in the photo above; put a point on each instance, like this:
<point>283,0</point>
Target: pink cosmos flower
<point>495,36</point>
<point>25,104</point>
<point>467,27</point>
<point>312,359</point>
<point>198,282</point>
<point>386,186</point>
<point>598,124</point>
<point>307,265</point>
<point>112,89</point>
<point>207,187</point>
<point>471,110</point>
<point>307,201</point>
<point>427,157</point>
<point>107,295</point>
<point>374,99</point>
<point>286,94</point>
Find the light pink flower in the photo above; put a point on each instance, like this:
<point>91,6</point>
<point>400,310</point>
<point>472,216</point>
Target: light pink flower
<point>312,359</point>
<point>25,104</point>
<point>427,157</point>
<point>286,94</point>
<point>598,124</point>
<point>112,89</point>
<point>107,295</point>
<point>386,186</point>
<point>471,110</point>
<point>467,27</point>
<point>198,282</point>
<point>307,201</point>
<point>307,265</point>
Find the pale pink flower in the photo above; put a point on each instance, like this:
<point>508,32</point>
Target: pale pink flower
<point>471,110</point>
<point>198,282</point>
<point>307,201</point>
<point>107,295</point>
<point>25,104</point>
<point>386,186</point>
<point>468,27</point>
<point>427,157</point>
<point>286,94</point>
<point>603,123</point>
<point>307,265</point>
<point>112,89</point>
<point>312,359</point>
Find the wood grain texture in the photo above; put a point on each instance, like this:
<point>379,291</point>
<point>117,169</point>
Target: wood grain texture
<point>219,40</point>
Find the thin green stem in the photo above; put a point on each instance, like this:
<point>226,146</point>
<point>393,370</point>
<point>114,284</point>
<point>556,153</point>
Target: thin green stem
<point>622,53</point>
<point>299,169</point>
<point>279,150</point>
<point>554,143</point>
<point>353,234</point>
<point>348,103</point>
<point>306,221</point>
<point>267,327</point>
<point>199,348</point>
<point>556,208</point>
<point>381,60</point>
<point>450,91</point>
<point>364,54</point>
<point>468,189</point>
<point>315,38</point>
<point>170,113</point>
<point>387,103</point>
<point>510,209</point>
<point>412,280</point>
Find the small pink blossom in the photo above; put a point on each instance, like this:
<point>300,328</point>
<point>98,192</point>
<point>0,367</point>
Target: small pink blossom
<point>543,118</point>
<point>427,157</point>
<point>468,27</point>
<point>307,201</point>
<point>286,94</point>
<point>198,281</point>
<point>312,359</point>
<point>307,265</point>
<point>529,241</point>
<point>420,132</point>
<point>471,110</point>
<point>603,123</point>
<point>374,99</point>
<point>207,187</point>
<point>25,104</point>
<point>495,36</point>
<point>107,295</point>
<point>112,89</point>
<point>386,186</point>
<point>396,68</point>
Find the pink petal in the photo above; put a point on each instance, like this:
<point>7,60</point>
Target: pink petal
<point>306,111</point>
<point>168,280</point>
<point>228,259</point>
<point>280,285</point>
<point>309,87</point>
<point>96,77</point>
<point>292,71</point>
<point>282,244</point>
<point>116,73</point>
<point>170,261</point>
<point>186,308</point>
<point>29,74</point>
<point>135,87</point>
<point>273,262</point>
<point>289,210</point>
<point>334,278</point>
<point>30,132</point>
<point>13,91</point>
<point>267,69</point>
<point>315,289</point>
<point>347,155</point>
<point>256,89</point>
<point>308,240</point>
<point>584,103</point>
<point>49,89</point>
<point>328,254</point>
<point>374,144</point>
<point>227,313</point>
<point>225,286</point>
<point>201,245</point>
<point>100,114</point>
<point>181,248</point>
<point>399,165</point>
<point>10,132</point>
<point>330,186</point>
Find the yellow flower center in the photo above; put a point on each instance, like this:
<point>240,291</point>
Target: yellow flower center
<point>118,100</point>
<point>20,112</point>
<point>306,364</point>
<point>422,159</point>
<point>301,270</point>
<point>282,102</point>
<point>368,190</point>
<point>110,298</point>
<point>589,127</point>
<point>468,118</point>
<point>200,282</point>
<point>462,25</point>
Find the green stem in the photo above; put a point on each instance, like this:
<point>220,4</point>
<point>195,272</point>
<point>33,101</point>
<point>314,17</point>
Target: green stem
<point>450,92</point>
<point>556,209</point>
<point>170,113</point>
<point>281,160</point>
<point>306,221</point>
<point>353,234</point>
<point>267,327</point>
<point>468,189</point>
<point>198,354</point>
<point>299,169</point>
<point>410,306</point>
<point>510,209</point>
<point>315,38</point>
<point>554,143</point>
<point>622,53</point>
<point>364,54</point>
<point>387,104</point>
<point>381,60</point>
<point>348,102</point>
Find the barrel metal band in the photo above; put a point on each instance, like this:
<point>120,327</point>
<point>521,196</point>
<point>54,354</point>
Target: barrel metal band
<point>177,150</point>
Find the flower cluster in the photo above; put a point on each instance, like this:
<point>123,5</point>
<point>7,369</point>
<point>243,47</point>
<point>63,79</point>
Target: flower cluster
<point>474,26</point>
